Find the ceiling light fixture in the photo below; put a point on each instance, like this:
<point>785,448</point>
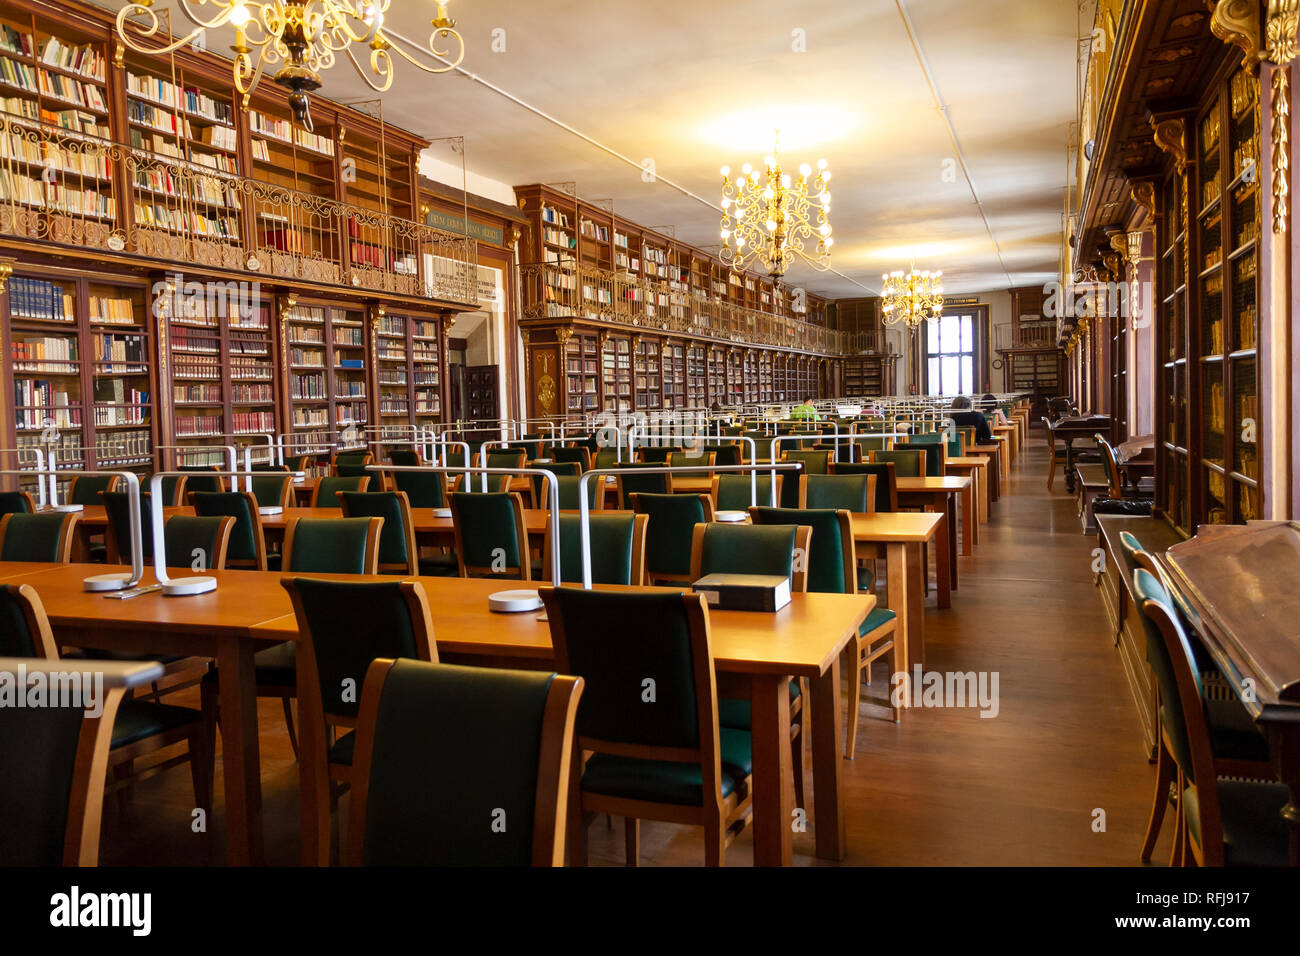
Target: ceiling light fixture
<point>305,38</point>
<point>769,217</point>
<point>912,298</point>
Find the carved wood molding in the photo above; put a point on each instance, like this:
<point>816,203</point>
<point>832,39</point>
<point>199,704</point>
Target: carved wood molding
<point>1280,50</point>
<point>1237,22</point>
<point>1143,192</point>
<point>1171,136</point>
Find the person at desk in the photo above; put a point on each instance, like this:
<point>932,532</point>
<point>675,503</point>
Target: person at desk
<point>805,412</point>
<point>963,416</point>
<point>989,405</point>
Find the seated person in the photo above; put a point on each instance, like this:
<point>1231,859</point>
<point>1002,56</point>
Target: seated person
<point>805,412</point>
<point>989,404</point>
<point>964,417</point>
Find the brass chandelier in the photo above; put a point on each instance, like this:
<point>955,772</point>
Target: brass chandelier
<point>769,217</point>
<point>304,39</point>
<point>912,298</point>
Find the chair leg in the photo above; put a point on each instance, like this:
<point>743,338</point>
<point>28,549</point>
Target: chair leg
<point>1165,776</point>
<point>577,828</point>
<point>894,710</point>
<point>201,768</point>
<point>632,840</point>
<point>1051,471</point>
<point>1180,825</point>
<point>854,697</point>
<point>715,843</point>
<point>288,723</point>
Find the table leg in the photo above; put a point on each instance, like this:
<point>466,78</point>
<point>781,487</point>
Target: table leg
<point>240,761</point>
<point>773,781</point>
<point>950,509</point>
<point>916,576</point>
<point>1069,465</point>
<point>968,519</point>
<point>828,783</point>
<point>943,562</point>
<point>896,570</point>
<point>982,481</point>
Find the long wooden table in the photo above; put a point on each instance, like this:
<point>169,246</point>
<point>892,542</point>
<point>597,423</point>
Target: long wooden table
<point>755,657</point>
<point>994,455</point>
<point>943,494</point>
<point>976,468</point>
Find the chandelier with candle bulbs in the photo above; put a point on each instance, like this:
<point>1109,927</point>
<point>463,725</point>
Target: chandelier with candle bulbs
<point>768,217</point>
<point>300,40</point>
<point>911,298</point>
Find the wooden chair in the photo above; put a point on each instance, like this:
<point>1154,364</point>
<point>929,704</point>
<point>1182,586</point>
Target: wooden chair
<point>617,549</point>
<point>671,762</point>
<point>628,483</point>
<point>198,478</point>
<point>686,459</point>
<point>273,489</point>
<point>735,492</point>
<point>886,481</point>
<point>855,494</point>
<point>512,750</point>
<point>422,490</point>
<point>16,502</point>
<point>350,464</point>
<point>37,537</point>
<point>908,462</point>
<point>85,489</point>
<point>342,627</point>
<point>577,453</point>
<point>247,547</point>
<point>190,540</point>
<point>814,463</point>
<point>656,454</point>
<point>397,551</point>
<point>832,568</point>
<point>668,537</point>
<point>1219,822</point>
<point>491,535</point>
<point>1056,457</point>
<point>332,545</point>
<point>326,492</point>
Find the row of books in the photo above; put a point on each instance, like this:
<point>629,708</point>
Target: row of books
<point>314,358</point>
<point>310,417</point>
<point>208,225</point>
<point>111,310</point>
<point>124,448</point>
<point>33,397</point>
<point>85,60</point>
<point>210,190</point>
<point>286,132</point>
<point>27,191</point>
<point>196,394</point>
<point>309,335</point>
<point>117,405</point>
<point>76,121</point>
<point>114,350</point>
<point>37,299</point>
<point>251,423</point>
<point>191,99</point>
<point>194,426</point>
<point>307,387</point>
<point>157,117</point>
<point>53,156</point>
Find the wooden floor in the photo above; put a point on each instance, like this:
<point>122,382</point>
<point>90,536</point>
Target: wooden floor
<point>946,787</point>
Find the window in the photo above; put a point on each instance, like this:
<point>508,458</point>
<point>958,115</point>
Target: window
<point>950,354</point>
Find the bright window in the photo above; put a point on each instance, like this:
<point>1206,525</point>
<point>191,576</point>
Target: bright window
<point>950,351</point>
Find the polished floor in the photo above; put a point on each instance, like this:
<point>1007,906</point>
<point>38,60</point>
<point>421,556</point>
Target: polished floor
<point>1058,777</point>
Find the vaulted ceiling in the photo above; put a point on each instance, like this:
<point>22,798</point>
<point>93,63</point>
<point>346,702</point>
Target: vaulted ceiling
<point>693,86</point>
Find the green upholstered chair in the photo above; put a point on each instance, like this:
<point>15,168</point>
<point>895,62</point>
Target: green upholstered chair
<point>734,492</point>
<point>505,458</point>
<point>537,491</point>
<point>397,551</point>
<point>332,545</point>
<point>580,455</point>
<point>853,493</point>
<point>16,502</point>
<point>174,488</point>
<point>617,549</point>
<point>422,489</point>
<point>908,462</point>
<point>1220,822</point>
<point>869,444</point>
<point>247,547</point>
<point>38,537</point>
<point>85,489</point>
<point>351,464</point>
<point>570,496</point>
<point>667,762</point>
<point>298,463</point>
<point>268,466</point>
<point>200,478</point>
<point>668,536</point>
<point>273,489</point>
<point>343,626</point>
<point>406,457</point>
<point>196,542</point>
<point>139,727</point>
<point>886,499</point>
<point>512,755</point>
<point>656,454</point>
<point>630,483</point>
<point>491,535</point>
<point>832,568</point>
<point>326,492</point>
<point>473,484</point>
<point>606,458</point>
<point>724,455</point>
<point>848,451</point>
<point>814,463</point>
<point>762,445</point>
<point>117,531</point>
<point>936,454</point>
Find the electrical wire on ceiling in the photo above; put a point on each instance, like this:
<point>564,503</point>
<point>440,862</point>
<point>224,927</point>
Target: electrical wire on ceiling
<point>589,140</point>
<point>952,133</point>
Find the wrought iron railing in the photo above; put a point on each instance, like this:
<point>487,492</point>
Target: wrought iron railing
<point>71,187</point>
<point>567,290</point>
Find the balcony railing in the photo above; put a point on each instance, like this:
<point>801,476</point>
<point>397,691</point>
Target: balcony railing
<point>68,187</point>
<point>566,290</point>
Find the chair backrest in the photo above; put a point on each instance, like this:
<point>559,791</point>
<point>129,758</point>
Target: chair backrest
<point>853,493</point>
<point>1116,486</point>
<point>200,543</point>
<point>512,754</point>
<point>617,549</point>
<point>16,502</point>
<point>406,458</point>
<point>832,558</point>
<point>724,455</point>
<point>85,489</point>
<point>614,640</point>
<point>578,454</point>
<point>332,545</point>
<point>491,536</point>
<point>751,549</point>
<point>247,548</point>
<point>397,548</point>
<point>630,483</point>
<point>816,461</point>
<point>298,462</point>
<point>422,489</point>
<point>38,537</point>
<point>505,458</point>
<point>886,486</point>
<point>351,464</point>
<point>656,454</point>
<point>174,488</point>
<point>569,492</point>
<point>198,481</point>
<point>342,627</point>
<point>936,455</point>
<point>908,462</point>
<point>271,490</point>
<point>326,492</point>
<point>688,459</point>
<point>668,538</point>
<point>117,532</point>
<point>734,492</point>
<point>606,458</point>
<point>24,629</point>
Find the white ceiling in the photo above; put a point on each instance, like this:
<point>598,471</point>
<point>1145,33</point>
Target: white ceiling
<point>696,85</point>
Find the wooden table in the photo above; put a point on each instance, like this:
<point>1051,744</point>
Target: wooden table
<point>1012,434</point>
<point>1068,429</point>
<point>993,453</point>
<point>941,494</point>
<point>976,468</point>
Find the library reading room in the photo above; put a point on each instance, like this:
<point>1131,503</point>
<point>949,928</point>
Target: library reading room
<point>468,434</point>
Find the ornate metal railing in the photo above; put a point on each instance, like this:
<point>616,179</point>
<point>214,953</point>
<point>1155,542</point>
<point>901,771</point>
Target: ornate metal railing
<point>566,290</point>
<point>77,188</point>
